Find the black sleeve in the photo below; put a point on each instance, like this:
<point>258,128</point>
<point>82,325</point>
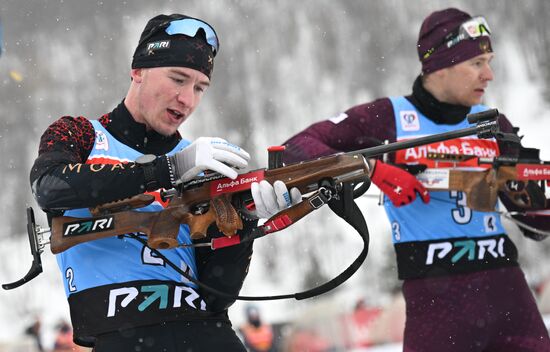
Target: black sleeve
<point>61,179</point>
<point>223,269</point>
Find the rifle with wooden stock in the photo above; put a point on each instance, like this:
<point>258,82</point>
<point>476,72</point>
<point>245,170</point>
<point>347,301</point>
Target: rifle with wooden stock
<point>519,177</point>
<point>220,200</point>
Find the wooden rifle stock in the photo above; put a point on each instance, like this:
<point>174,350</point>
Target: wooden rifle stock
<point>479,186</point>
<point>482,188</point>
<point>162,227</point>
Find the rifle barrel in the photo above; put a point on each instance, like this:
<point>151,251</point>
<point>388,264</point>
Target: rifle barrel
<point>483,130</point>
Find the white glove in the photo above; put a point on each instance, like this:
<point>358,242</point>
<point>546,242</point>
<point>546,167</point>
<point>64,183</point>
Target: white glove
<point>208,153</point>
<point>269,200</point>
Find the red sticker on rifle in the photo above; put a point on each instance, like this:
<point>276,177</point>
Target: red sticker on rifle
<point>241,183</point>
<point>481,148</point>
<point>533,172</point>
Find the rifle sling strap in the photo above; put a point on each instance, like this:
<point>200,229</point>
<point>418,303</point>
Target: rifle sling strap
<point>345,207</point>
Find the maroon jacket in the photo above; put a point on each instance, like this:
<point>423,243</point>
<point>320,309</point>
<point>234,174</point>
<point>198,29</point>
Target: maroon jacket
<point>372,123</point>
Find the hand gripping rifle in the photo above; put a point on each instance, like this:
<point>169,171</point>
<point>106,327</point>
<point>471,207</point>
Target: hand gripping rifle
<point>216,199</point>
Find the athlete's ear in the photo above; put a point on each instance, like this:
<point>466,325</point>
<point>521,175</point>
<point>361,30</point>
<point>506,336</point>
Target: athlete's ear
<point>136,74</point>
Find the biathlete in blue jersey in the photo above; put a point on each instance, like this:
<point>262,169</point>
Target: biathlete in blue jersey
<point>122,296</point>
<point>463,287</point>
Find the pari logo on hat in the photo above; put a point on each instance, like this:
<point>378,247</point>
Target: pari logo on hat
<point>161,44</point>
<point>409,120</point>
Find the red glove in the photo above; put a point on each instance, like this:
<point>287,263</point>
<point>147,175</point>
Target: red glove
<point>399,185</point>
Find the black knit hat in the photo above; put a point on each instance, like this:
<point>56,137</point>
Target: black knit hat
<point>156,48</point>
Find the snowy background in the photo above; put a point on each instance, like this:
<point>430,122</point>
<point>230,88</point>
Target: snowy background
<point>282,66</point>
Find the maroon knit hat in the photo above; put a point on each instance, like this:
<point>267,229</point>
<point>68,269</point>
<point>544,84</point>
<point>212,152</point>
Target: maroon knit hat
<point>434,54</point>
